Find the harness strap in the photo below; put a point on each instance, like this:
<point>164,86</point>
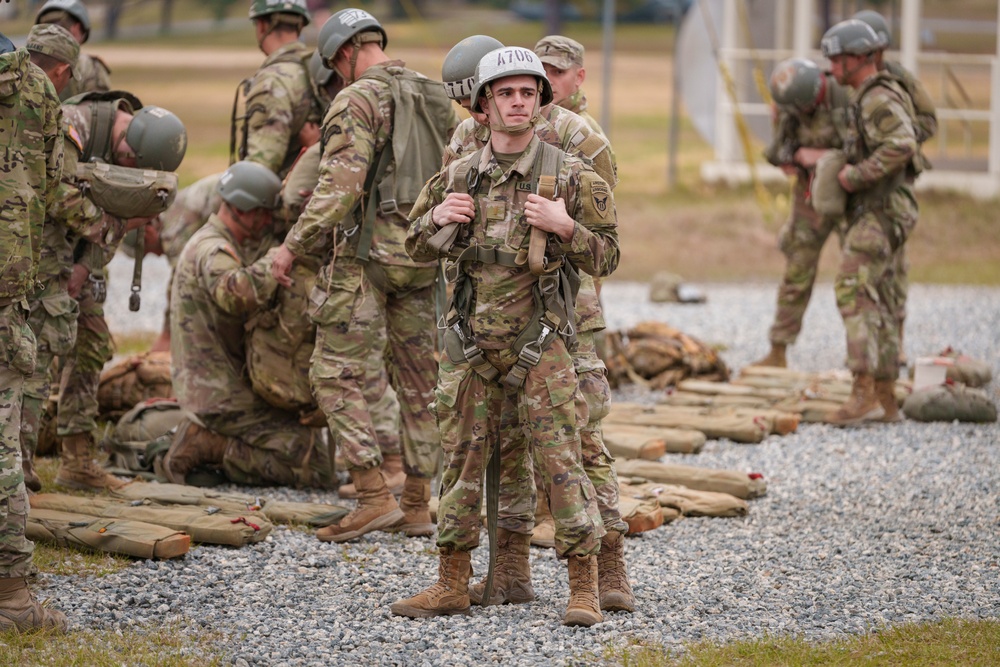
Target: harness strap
<point>368,204</point>
<point>102,119</point>
<point>544,176</point>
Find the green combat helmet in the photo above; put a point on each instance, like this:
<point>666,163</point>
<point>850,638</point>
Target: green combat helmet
<point>459,68</point>
<point>56,9</point>
<point>877,23</point>
<point>850,37</point>
<point>504,62</point>
<point>296,9</point>
<point>796,84</point>
<point>158,138</point>
<point>355,25</point>
<point>247,185</point>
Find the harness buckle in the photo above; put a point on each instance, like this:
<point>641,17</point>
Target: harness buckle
<point>388,207</point>
<point>352,231</point>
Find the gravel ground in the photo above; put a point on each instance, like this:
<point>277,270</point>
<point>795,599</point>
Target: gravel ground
<point>860,528</point>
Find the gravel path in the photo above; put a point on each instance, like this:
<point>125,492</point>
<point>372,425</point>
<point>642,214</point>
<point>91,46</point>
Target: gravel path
<point>860,528</point>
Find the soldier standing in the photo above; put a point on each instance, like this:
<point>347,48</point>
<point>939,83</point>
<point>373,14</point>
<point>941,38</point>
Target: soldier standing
<point>370,279</point>
<point>94,74</point>
<point>30,120</point>
<point>115,128</point>
<point>881,213</point>
<point>507,323</point>
<point>562,58</point>
<point>278,99</point>
<point>519,510</point>
<point>53,312</point>
<point>218,285</point>
<point>811,118</point>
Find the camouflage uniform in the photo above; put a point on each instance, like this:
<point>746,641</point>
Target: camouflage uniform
<point>348,304</point>
<point>54,312</point>
<point>564,130</point>
<point>882,212</point>
<point>803,236</point>
<point>216,287</point>
<point>94,77</point>
<point>29,122</point>
<point>549,405</point>
<point>279,101</point>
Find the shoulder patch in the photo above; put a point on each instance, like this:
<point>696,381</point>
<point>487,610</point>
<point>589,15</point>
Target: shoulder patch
<point>600,195</point>
<point>885,120</point>
<point>229,250</point>
<point>74,136</point>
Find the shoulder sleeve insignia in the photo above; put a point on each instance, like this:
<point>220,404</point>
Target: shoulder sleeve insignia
<point>74,136</point>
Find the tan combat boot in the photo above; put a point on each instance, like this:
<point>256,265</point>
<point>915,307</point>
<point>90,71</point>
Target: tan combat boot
<point>885,391</point>
<point>416,509</point>
<point>19,610</point>
<point>512,577</point>
<point>446,597</point>
<point>544,534</point>
<point>392,470</point>
<point>583,608</point>
<point>193,445</point>
<point>79,470</point>
<point>612,575</point>
<point>775,358</point>
<point>862,405</point>
<point>377,509</point>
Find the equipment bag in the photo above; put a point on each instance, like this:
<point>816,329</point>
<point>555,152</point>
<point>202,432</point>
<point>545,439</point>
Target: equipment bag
<point>950,402</point>
<point>132,381</point>
<point>825,192</point>
<point>119,536</point>
<point>144,434</point>
<point>125,192</point>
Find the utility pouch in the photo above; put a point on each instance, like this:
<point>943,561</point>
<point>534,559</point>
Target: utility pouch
<point>125,192</point>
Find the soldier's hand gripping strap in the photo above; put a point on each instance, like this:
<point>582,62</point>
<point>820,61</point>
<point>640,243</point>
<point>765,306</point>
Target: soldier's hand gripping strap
<point>546,171</point>
<point>125,192</point>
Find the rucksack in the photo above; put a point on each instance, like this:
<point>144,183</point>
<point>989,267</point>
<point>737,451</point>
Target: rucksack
<point>144,433</point>
<point>133,380</point>
<point>126,192</point>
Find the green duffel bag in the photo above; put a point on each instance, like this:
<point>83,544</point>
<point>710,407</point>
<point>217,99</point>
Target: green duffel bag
<point>827,196</point>
<point>125,192</point>
<point>950,402</point>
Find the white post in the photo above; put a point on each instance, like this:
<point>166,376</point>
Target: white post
<point>994,160</point>
<point>781,16</point>
<point>727,148</point>
<point>802,32</point>
<point>909,34</point>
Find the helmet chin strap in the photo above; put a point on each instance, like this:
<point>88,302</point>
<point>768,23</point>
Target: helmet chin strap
<point>520,128</point>
<point>357,41</point>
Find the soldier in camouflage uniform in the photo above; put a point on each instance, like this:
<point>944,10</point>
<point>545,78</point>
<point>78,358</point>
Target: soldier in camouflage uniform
<point>925,126</point>
<point>131,136</point>
<point>29,123</point>
<point>563,61</point>
<point>811,118</point>
<point>489,196</point>
<point>881,213</point>
<point>352,296</point>
<point>93,74</point>
<point>517,513</point>
<point>53,311</point>
<point>219,284</point>
<point>278,99</point>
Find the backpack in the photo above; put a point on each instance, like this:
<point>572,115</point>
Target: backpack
<point>125,192</point>
<point>133,380</point>
<point>143,434</point>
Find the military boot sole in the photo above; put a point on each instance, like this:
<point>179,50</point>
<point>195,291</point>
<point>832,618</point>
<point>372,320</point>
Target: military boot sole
<point>581,618</point>
<point>84,486</point>
<point>400,609</point>
<point>378,523</point>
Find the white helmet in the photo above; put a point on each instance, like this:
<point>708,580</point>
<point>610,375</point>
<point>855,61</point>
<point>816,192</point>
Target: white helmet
<point>509,61</point>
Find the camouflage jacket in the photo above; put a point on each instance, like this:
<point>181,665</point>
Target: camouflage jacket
<point>924,113</point>
<point>565,130</point>
<point>215,290</point>
<point>825,127</point>
<point>279,101</point>
<point>357,127</point>
<point>94,77</point>
<point>191,209</point>
<point>884,142</point>
<point>577,103</point>
<point>503,302</point>
<point>30,119</point>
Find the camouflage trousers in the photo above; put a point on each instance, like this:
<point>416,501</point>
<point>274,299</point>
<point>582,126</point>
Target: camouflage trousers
<point>520,478</point>
<point>268,446</point>
<point>53,320</point>
<point>81,372</point>
<point>801,241</point>
<point>550,409</point>
<point>17,359</point>
<point>347,308</point>
<point>866,297</point>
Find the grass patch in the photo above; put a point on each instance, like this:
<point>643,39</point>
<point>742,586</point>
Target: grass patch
<point>946,642</point>
<point>167,645</point>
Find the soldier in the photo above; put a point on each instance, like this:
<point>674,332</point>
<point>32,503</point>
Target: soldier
<point>562,58</point>
<point>278,99</point>
<point>32,166</point>
<point>518,513</point>
<point>94,74</point>
<point>115,128</point>
<point>218,285</point>
<point>881,213</point>
<point>360,201</point>
<point>811,117</point>
<point>509,321</point>
<point>925,126</point>
<point>53,311</point>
